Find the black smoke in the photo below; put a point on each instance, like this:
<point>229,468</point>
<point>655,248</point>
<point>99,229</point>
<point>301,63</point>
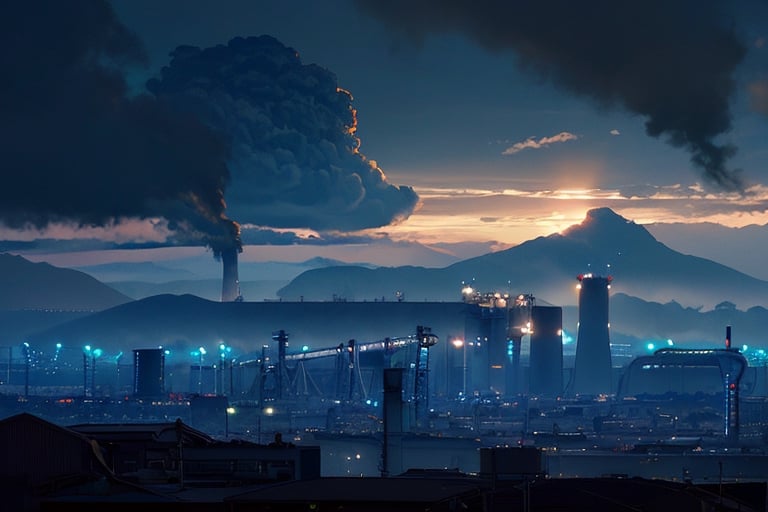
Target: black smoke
<point>295,156</point>
<point>671,62</point>
<point>75,146</point>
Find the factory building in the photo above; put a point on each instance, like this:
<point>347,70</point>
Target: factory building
<point>684,373</point>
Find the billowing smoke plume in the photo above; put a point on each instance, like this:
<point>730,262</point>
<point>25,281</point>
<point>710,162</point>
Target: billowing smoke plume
<point>671,62</point>
<point>295,159</point>
<point>75,147</point>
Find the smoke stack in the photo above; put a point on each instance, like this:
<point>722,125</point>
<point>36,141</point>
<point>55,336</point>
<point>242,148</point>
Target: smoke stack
<point>230,286</point>
<point>592,370</point>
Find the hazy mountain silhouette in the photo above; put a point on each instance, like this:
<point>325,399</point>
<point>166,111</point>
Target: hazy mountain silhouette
<point>28,285</point>
<point>128,271</point>
<point>604,243</point>
<point>185,322</point>
<point>258,280</point>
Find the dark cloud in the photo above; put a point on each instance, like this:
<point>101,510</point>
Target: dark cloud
<point>295,156</point>
<point>75,147</point>
<point>670,62</point>
<point>56,245</point>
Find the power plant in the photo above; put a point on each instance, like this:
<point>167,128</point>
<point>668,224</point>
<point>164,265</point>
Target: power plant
<point>492,369</point>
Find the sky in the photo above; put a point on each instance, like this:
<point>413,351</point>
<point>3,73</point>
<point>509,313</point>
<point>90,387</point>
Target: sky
<point>366,130</point>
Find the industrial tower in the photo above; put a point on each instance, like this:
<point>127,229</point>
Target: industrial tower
<point>546,355</point>
<point>592,372</point>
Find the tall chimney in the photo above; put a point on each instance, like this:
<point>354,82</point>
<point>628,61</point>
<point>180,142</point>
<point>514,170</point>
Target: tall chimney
<point>230,286</point>
<point>592,369</point>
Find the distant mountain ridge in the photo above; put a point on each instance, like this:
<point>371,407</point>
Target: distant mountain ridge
<point>183,322</point>
<point>28,285</point>
<point>604,243</point>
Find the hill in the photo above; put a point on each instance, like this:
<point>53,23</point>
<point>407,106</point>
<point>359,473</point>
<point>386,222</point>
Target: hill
<point>185,322</point>
<point>604,243</point>
<point>28,285</point>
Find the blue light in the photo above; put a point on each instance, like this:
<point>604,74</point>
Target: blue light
<point>305,348</point>
<point>58,345</point>
<point>650,346</point>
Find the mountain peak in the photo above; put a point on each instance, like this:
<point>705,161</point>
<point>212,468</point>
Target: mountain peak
<point>607,225</point>
<point>604,214</point>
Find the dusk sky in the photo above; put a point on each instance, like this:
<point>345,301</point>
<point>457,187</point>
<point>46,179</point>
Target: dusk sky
<point>480,125</point>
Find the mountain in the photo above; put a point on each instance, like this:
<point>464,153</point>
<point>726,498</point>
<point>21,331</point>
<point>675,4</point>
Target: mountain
<point>28,285</point>
<point>604,243</point>
<point>739,247</point>
<point>126,271</point>
<point>258,280</point>
<point>182,323</point>
<point>209,289</point>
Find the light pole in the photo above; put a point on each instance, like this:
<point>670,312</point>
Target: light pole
<point>86,352</point>
<point>230,410</point>
<point>117,371</point>
<point>92,354</point>
<point>201,352</point>
<point>224,350</point>
<point>266,411</point>
<point>26,370</point>
<point>459,343</point>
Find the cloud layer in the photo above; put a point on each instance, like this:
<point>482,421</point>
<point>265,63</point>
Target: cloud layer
<point>295,156</point>
<point>671,62</point>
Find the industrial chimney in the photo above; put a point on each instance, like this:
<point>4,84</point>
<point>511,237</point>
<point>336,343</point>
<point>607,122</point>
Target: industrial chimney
<point>592,371</point>
<point>230,286</point>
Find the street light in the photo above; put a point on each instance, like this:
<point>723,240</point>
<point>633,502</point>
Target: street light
<point>93,354</point>
<point>224,350</point>
<point>201,352</point>
<point>26,370</point>
<point>459,343</point>
<point>86,353</point>
<point>266,411</point>
<point>230,410</point>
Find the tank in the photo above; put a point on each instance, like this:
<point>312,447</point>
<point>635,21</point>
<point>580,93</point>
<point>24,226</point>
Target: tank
<point>148,372</point>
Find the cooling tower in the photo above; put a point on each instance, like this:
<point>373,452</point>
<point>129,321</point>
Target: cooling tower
<point>546,356</point>
<point>592,371</point>
<point>148,372</point>
<point>230,286</point>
